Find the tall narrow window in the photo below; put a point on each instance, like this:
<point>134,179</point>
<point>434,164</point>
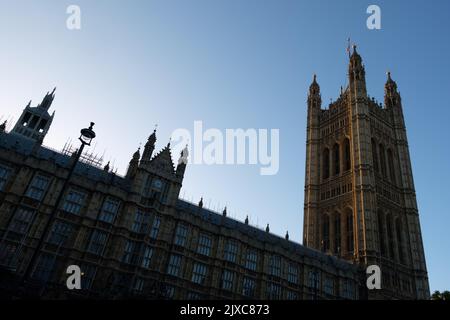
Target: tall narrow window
<point>181,235</point>
<point>326,233</point>
<point>391,165</point>
<point>326,163</point>
<point>155,228</point>
<point>37,188</point>
<point>375,156</point>
<point>382,160</point>
<point>350,242</point>
<point>347,160</point>
<point>109,210</point>
<point>390,235</point>
<point>336,159</point>
<point>73,202</point>
<point>398,229</point>
<point>381,232</point>
<point>337,233</point>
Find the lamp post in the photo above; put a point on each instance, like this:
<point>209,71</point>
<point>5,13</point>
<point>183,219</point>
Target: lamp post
<point>86,137</point>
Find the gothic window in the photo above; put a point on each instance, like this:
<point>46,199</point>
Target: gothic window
<point>174,266</point>
<point>251,260</point>
<point>199,273</point>
<point>382,160</point>
<point>347,160</point>
<point>204,245</point>
<point>248,287</point>
<point>60,233</point>
<point>349,231</point>
<point>181,235</point>
<point>398,229</point>
<point>37,188</point>
<point>375,155</point>
<point>155,228</point>
<point>231,250</point>
<point>109,210</point>
<point>381,232</point>
<point>74,202</point>
<point>391,165</point>
<point>390,235</point>
<point>227,280</point>
<point>326,233</point>
<point>337,233</point>
<point>336,158</point>
<point>326,163</point>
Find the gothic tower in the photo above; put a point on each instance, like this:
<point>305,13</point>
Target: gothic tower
<point>35,122</point>
<point>360,201</point>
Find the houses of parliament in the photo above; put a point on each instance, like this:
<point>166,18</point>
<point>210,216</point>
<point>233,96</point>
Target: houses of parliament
<point>133,237</point>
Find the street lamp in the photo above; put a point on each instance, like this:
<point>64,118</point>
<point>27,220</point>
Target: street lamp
<point>86,137</point>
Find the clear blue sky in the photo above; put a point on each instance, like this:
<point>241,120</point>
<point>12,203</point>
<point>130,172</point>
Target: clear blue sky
<point>234,64</point>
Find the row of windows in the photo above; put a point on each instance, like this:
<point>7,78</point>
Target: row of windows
<point>383,161</point>
<point>337,241</point>
<point>331,161</point>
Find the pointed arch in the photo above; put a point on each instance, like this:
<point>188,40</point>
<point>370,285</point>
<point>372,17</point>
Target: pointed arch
<point>391,165</point>
<point>375,156</point>
<point>336,159</point>
<point>399,232</point>
<point>349,231</point>
<point>326,163</point>
<point>337,233</point>
<point>347,160</point>
<point>381,233</point>
<point>382,160</point>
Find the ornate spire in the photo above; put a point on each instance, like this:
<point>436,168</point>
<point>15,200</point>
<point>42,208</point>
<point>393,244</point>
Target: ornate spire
<point>200,204</point>
<point>106,168</point>
<point>47,101</point>
<point>391,95</point>
<point>149,147</point>
<point>224,212</point>
<point>267,228</point>
<point>287,235</point>
<point>246,219</point>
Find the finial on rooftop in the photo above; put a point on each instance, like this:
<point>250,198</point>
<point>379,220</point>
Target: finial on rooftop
<point>106,168</point>
<point>287,235</point>
<point>224,212</point>
<point>200,204</point>
<point>246,219</point>
<point>267,228</point>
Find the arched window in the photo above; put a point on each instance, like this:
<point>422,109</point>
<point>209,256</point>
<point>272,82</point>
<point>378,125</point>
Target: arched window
<point>326,163</point>
<point>398,229</point>
<point>349,231</point>
<point>382,160</point>
<point>391,165</point>
<point>326,232</point>
<point>375,155</point>
<point>347,161</point>
<point>336,158</point>
<point>337,233</point>
<point>381,233</point>
<point>390,235</point>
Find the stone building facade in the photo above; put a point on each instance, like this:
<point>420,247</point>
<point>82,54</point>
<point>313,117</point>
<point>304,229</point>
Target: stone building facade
<point>133,237</point>
<point>360,201</point>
